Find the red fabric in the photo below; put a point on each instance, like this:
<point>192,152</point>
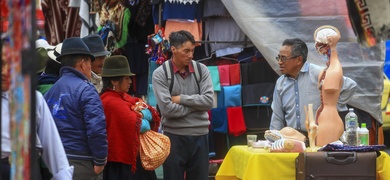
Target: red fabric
<point>4,14</point>
<point>236,123</point>
<point>40,19</point>
<point>123,127</point>
<point>61,21</point>
<point>224,75</point>
<point>234,73</point>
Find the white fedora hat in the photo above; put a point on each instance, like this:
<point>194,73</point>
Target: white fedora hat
<point>55,52</point>
<point>43,43</point>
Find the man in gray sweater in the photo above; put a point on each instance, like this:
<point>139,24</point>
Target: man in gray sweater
<point>184,109</point>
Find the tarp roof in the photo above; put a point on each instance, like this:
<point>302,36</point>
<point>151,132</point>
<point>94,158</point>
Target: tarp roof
<point>267,23</point>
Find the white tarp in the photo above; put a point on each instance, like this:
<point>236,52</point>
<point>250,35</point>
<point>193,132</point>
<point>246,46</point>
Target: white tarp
<point>268,22</point>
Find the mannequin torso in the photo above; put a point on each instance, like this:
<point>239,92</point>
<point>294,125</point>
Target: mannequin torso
<point>330,125</point>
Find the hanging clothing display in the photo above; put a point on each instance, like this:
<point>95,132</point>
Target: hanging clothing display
<point>139,27</point>
<point>61,21</point>
<point>114,20</point>
<point>223,29</point>
<point>180,15</point>
<point>182,9</point>
<point>215,8</point>
<point>88,11</point>
<point>191,26</point>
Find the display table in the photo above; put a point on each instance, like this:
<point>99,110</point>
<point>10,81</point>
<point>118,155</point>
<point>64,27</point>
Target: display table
<point>246,163</point>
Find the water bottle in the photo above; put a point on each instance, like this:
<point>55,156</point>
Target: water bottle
<point>363,135</point>
<point>351,127</point>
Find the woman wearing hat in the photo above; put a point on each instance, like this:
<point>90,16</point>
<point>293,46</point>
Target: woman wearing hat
<point>124,122</point>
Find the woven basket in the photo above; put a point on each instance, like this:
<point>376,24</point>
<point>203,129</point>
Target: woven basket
<point>154,149</point>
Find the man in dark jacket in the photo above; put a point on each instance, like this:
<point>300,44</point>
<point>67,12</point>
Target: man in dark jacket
<point>78,111</point>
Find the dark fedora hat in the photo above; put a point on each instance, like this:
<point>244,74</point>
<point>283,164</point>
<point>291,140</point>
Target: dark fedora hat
<point>74,46</point>
<point>116,66</point>
<point>95,45</point>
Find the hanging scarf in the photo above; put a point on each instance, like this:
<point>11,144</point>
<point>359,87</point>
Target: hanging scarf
<point>116,17</point>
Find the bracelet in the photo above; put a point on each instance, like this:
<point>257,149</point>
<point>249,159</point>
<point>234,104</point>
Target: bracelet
<point>333,49</point>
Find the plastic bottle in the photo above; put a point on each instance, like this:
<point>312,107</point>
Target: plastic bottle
<point>351,127</point>
<point>363,135</point>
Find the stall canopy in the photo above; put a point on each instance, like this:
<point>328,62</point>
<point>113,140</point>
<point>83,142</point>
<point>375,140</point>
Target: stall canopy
<point>268,23</point>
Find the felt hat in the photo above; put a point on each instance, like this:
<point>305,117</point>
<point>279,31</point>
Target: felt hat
<point>55,52</point>
<point>43,43</point>
<point>116,66</point>
<point>95,45</point>
<point>74,46</point>
<point>42,58</point>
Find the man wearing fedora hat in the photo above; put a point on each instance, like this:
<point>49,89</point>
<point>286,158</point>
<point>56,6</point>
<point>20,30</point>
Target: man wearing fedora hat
<point>51,73</point>
<point>96,46</point>
<point>78,111</point>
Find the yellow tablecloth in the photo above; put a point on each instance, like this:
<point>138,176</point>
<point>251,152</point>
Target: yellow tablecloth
<point>246,163</point>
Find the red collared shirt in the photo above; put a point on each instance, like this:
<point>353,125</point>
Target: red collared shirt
<point>189,69</point>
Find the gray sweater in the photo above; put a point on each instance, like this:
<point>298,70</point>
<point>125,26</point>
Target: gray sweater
<point>190,117</point>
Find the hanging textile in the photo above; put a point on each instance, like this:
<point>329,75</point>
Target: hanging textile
<point>61,21</point>
<point>88,12</point>
<point>114,20</point>
<point>370,20</point>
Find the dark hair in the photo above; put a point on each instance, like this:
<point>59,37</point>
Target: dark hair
<point>72,60</point>
<point>177,38</point>
<point>52,67</point>
<point>298,47</point>
<point>107,82</point>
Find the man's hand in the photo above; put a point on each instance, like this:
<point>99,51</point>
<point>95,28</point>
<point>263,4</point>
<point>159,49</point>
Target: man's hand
<point>176,99</point>
<point>98,169</point>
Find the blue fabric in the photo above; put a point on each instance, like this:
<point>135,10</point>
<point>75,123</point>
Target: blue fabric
<point>219,120</point>
<point>232,95</point>
<point>47,79</point>
<point>220,99</point>
<point>147,114</point>
<point>145,126</point>
<point>215,77</point>
<point>177,10</point>
<point>152,66</point>
<point>386,67</point>
<point>151,98</point>
<point>340,147</point>
<point>78,113</point>
<point>252,94</point>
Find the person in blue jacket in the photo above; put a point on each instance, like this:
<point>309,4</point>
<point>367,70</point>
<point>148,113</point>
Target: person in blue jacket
<point>78,112</point>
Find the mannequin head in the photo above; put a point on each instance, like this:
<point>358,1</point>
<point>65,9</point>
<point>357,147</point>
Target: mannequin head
<point>321,35</point>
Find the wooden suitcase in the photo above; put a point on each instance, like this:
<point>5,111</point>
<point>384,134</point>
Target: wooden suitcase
<point>340,165</point>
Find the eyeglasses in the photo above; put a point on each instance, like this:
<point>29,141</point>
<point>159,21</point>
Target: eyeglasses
<point>284,58</point>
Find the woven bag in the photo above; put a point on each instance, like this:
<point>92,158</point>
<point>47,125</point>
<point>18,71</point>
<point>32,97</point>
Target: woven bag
<point>154,149</point>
